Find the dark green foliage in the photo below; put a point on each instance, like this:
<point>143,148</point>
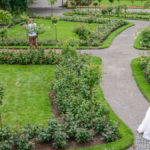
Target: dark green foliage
<point>14,5</point>
<point>60,139</point>
<point>111,132</point>
<point>22,142</point>
<point>83,135</point>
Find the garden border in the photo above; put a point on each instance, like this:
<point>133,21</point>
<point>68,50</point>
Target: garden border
<point>106,44</point>
<point>137,43</point>
<point>127,138</point>
<point>141,82</point>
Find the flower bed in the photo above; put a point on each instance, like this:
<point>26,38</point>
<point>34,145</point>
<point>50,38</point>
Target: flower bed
<point>143,40</point>
<point>84,112</point>
<point>98,33</point>
<point>26,57</point>
<point>111,12</point>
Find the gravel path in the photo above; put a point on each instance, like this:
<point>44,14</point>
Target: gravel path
<point>118,84</point>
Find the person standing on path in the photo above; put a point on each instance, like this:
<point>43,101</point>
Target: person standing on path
<point>32,33</point>
<point>145,126</point>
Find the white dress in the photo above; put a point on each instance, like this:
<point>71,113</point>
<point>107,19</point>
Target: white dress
<point>145,126</point>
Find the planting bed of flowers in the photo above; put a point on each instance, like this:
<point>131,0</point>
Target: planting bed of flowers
<point>143,39</point>
<point>91,32</point>
<point>74,93</point>
<point>145,66</point>
<point>111,12</point>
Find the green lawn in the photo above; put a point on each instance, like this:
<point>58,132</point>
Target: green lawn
<point>26,97</point>
<point>64,29</point>
<point>124,2</point>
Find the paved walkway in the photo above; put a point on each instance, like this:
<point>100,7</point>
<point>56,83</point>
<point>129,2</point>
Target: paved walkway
<point>118,84</point>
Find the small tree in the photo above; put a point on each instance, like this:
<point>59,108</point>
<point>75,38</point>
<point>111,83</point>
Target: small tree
<point>132,1</point>
<point>5,18</point>
<point>111,1</point>
<point>118,2</point>
<point>93,78</point>
<point>54,22</point>
<point>99,1</point>
<point>52,2</point>
<point>95,3</point>
<point>3,35</point>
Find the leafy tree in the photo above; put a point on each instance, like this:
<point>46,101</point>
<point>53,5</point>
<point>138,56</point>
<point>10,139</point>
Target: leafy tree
<point>93,78</point>
<point>95,3</point>
<point>54,22</point>
<point>52,2</point>
<point>99,1</point>
<point>111,1</point>
<point>118,1</point>
<point>5,18</point>
<point>132,1</point>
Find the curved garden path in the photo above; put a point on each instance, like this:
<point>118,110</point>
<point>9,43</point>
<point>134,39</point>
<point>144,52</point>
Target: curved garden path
<point>118,84</point>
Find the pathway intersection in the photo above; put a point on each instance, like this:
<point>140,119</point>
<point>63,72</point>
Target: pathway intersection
<point>118,84</point>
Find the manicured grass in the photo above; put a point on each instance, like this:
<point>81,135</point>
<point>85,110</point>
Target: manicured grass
<point>64,30</point>
<point>142,83</point>
<point>27,94</point>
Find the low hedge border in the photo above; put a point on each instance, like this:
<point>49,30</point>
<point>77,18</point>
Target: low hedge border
<point>107,43</point>
<point>137,43</point>
<point>141,82</point>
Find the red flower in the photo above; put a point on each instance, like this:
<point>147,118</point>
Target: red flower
<point>43,57</point>
<point>8,57</point>
<point>119,123</point>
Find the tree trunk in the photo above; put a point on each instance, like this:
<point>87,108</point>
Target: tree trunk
<point>62,3</point>
<point>91,99</point>
<point>79,83</point>
<point>56,32</point>
<point>1,121</point>
<point>51,10</point>
<point>88,5</point>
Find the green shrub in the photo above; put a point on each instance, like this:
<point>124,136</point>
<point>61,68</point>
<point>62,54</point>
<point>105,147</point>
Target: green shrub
<point>82,31</point>
<point>22,142</point>
<point>60,139</point>
<point>6,145</point>
<point>83,135</point>
<point>111,132</point>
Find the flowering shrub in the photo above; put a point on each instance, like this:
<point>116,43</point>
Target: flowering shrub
<point>145,65</point>
<point>145,40</point>
<point>25,57</point>
<point>73,101</point>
